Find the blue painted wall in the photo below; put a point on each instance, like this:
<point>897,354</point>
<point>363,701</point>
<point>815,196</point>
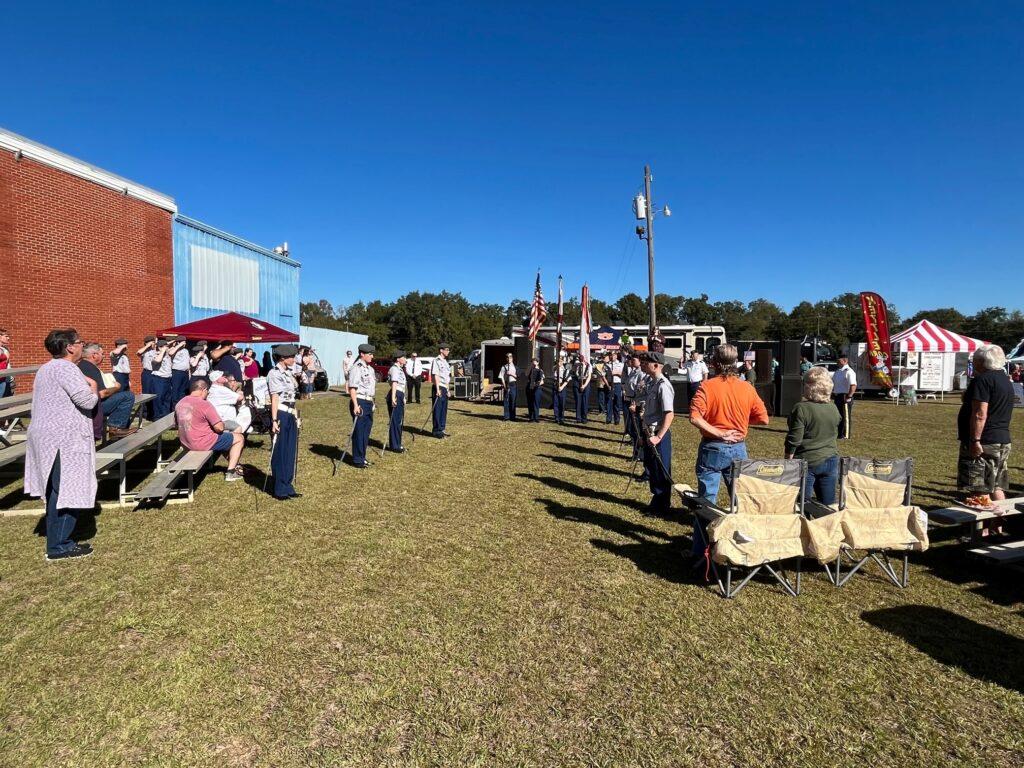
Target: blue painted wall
<point>278,275</point>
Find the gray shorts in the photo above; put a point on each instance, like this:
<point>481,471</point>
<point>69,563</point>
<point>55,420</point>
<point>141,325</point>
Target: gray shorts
<point>985,473</point>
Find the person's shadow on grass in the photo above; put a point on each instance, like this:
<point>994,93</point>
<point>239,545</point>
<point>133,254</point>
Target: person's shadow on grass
<point>981,651</point>
<point>582,491</point>
<point>586,466</point>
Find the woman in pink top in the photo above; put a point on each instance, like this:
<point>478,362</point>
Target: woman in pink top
<point>60,457</point>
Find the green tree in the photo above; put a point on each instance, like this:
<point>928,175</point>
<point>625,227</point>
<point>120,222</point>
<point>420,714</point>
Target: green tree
<point>631,310</point>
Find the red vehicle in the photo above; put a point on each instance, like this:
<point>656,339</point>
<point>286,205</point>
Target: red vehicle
<point>383,365</point>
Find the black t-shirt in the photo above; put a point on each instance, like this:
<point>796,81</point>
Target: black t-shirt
<point>229,366</point>
<point>92,372</point>
<point>994,388</point>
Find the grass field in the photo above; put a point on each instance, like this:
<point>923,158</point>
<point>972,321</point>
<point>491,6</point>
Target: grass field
<point>493,599</point>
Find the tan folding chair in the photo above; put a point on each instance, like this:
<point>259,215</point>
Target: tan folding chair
<point>762,528</point>
<point>877,519</point>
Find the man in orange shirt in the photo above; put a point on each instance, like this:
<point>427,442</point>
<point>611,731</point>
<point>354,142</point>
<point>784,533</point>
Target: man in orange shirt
<point>722,409</point>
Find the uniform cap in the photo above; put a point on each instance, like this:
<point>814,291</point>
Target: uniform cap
<point>281,351</point>
<point>161,343</point>
<point>654,357</point>
<point>399,353</point>
<point>366,349</point>
<point>443,345</point>
<point>119,342</point>
<point>149,338</point>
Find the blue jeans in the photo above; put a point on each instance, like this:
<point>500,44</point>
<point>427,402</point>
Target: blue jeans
<point>59,522</point>
<point>440,412</point>
<point>510,402</point>
<point>714,461</point>
<point>822,478</point>
<point>117,409</point>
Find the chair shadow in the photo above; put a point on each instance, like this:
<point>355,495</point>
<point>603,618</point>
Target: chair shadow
<point>666,560</point>
<point>582,491</point>
<point>983,652</point>
<point>586,466</point>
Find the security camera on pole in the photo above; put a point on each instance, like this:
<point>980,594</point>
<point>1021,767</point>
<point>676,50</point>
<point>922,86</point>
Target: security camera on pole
<point>645,210</point>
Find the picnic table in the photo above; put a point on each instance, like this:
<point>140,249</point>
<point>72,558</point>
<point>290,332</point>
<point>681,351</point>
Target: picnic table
<point>118,453</point>
<point>960,514</point>
<point>12,415</point>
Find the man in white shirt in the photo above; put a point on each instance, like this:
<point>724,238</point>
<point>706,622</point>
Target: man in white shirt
<point>509,376</point>
<point>226,397</point>
<point>413,378</point>
<point>696,372</point>
<point>844,384</point>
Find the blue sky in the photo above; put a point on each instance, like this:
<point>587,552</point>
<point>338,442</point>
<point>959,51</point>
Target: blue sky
<point>806,149</point>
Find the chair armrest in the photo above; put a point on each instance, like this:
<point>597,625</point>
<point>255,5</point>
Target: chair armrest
<point>815,509</point>
<point>700,506</point>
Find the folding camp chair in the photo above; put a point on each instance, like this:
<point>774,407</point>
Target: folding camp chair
<point>762,527</point>
<point>876,518</point>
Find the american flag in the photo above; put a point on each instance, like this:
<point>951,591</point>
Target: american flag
<point>538,312</point>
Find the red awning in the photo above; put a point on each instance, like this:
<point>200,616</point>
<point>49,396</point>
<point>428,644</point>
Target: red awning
<point>231,326</point>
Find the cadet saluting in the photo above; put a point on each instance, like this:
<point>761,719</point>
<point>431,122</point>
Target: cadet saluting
<point>285,425</point>
<point>396,402</point>
<point>362,385</point>
<point>441,373</point>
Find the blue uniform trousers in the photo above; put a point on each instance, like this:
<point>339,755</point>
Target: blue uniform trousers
<point>282,465</point>
<point>582,403</point>
<point>147,389</point>
<point>396,415</point>
<point>613,409</point>
<point>558,403</point>
<point>179,386</point>
<point>440,411</point>
<point>361,431</point>
<point>510,402</point>
<point>533,402</point>
<point>658,463</point>
<point>162,401</point>
<point>124,380</point>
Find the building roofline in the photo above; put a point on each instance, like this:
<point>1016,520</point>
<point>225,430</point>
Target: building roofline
<point>51,157</point>
<point>195,223</point>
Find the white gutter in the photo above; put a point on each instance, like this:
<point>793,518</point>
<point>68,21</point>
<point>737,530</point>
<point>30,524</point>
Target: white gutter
<point>22,147</point>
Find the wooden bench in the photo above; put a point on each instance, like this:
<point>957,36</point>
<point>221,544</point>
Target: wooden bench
<point>120,451</point>
<point>13,400</point>
<point>14,453</point>
<point>1004,554</point>
<point>184,464</point>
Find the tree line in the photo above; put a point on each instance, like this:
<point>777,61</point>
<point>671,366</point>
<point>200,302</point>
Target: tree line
<point>417,321</point>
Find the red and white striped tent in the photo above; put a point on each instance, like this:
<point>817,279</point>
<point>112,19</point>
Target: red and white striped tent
<point>928,337</point>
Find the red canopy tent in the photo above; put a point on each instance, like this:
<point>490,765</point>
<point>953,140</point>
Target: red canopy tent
<point>232,327</point>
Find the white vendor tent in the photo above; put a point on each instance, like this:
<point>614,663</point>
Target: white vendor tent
<point>925,357</point>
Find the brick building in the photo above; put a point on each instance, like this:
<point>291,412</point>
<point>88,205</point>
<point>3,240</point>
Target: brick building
<point>79,247</point>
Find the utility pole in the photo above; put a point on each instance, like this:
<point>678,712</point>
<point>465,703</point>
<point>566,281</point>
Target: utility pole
<point>651,322</point>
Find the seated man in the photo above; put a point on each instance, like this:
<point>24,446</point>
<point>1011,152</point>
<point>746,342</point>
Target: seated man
<point>227,397</point>
<point>200,428</point>
<point>115,408</point>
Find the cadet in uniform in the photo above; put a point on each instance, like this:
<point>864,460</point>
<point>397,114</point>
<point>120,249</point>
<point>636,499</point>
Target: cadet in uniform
<point>441,373</point>
<point>657,437</point>
<point>285,426</point>
<point>630,378</point>
<point>509,376</point>
<point>615,367</point>
<point>146,355</point>
<point>121,365</point>
<point>362,385</point>
<point>581,387</point>
<point>199,362</point>
<point>396,402</point>
<point>558,385</point>
<point>534,385</point>
<point>161,379</point>
<point>180,370</point>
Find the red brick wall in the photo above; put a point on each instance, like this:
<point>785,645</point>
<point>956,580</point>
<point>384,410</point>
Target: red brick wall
<point>77,254</point>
